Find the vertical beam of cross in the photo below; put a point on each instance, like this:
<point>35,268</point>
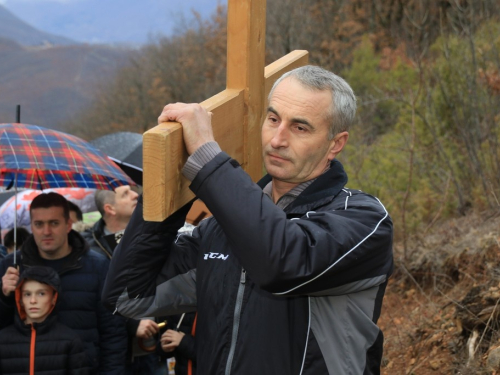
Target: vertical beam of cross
<point>246,48</point>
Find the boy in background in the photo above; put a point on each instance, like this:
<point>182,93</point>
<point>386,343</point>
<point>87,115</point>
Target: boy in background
<point>37,342</point>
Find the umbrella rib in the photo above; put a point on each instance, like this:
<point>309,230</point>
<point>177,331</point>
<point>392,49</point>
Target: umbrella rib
<point>48,146</point>
<point>37,164</point>
<point>32,151</point>
<point>124,163</point>
<point>55,159</point>
<point>13,152</point>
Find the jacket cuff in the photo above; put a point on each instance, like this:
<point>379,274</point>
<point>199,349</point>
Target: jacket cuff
<point>214,164</point>
<point>201,156</point>
<point>132,325</point>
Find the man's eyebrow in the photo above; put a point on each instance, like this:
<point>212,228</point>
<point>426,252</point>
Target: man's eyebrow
<point>271,109</point>
<point>295,120</point>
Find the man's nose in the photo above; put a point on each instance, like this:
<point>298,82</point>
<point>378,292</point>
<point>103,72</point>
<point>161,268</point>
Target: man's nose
<point>33,299</point>
<point>280,137</point>
<point>46,229</point>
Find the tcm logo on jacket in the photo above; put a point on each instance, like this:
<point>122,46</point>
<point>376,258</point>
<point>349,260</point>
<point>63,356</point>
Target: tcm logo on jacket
<point>215,256</point>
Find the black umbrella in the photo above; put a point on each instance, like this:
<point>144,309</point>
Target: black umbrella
<point>125,149</point>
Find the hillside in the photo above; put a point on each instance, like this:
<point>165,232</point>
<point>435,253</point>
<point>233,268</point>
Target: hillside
<point>51,77</point>
<point>52,83</point>
<point>12,28</point>
<point>440,313</point>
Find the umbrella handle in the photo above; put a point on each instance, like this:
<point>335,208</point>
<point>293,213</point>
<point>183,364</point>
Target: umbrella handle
<point>15,220</point>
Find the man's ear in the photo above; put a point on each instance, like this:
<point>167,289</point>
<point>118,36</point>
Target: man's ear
<point>337,144</point>
<point>109,209</point>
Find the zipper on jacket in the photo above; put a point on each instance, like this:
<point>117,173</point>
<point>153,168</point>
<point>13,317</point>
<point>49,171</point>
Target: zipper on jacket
<point>32,349</point>
<point>236,321</point>
<point>101,246</point>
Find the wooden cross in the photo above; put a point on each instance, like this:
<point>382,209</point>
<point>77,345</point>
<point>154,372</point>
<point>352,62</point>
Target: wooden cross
<point>238,112</point>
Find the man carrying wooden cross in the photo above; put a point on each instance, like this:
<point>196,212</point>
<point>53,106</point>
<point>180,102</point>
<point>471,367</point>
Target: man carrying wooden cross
<point>289,274</point>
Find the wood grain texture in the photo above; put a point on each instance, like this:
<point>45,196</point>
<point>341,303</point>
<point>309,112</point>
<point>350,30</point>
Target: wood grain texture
<point>165,189</point>
<point>246,50</point>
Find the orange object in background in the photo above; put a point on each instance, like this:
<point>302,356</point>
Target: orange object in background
<point>197,213</point>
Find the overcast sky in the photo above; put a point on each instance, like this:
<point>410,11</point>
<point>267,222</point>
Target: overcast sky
<point>110,21</point>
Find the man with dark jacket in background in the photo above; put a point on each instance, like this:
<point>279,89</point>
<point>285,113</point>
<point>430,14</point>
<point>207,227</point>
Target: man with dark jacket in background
<point>289,274</point>
<point>116,208</point>
<point>82,272</point>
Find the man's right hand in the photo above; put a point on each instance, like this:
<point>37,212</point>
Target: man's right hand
<point>9,281</point>
<point>147,328</point>
<point>196,123</point>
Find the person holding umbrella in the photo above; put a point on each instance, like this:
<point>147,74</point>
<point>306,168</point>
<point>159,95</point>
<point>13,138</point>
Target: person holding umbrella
<point>54,244</point>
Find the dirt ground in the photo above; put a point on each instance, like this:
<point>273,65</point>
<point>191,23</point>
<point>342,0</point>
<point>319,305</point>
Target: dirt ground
<point>441,309</point>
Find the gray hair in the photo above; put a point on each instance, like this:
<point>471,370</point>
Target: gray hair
<point>343,108</point>
<point>103,197</point>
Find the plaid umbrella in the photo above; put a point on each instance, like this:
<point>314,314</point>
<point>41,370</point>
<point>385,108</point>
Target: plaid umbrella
<point>40,158</point>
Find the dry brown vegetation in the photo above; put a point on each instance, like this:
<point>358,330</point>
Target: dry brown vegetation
<point>441,310</point>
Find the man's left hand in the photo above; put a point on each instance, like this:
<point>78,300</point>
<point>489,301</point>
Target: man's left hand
<point>171,340</point>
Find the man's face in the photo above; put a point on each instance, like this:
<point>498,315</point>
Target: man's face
<point>37,300</point>
<point>295,141</point>
<point>50,231</point>
<point>125,202</point>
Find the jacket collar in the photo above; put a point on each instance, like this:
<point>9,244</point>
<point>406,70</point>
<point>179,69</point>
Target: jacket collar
<point>41,328</point>
<point>30,255</point>
<point>98,227</point>
<point>322,191</point>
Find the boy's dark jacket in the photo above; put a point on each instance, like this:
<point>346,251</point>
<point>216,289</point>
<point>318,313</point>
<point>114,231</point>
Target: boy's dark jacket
<point>57,349</point>
<point>82,278</point>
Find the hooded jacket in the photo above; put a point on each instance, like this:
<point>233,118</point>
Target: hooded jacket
<point>82,277</point>
<point>293,291</point>
<point>46,347</point>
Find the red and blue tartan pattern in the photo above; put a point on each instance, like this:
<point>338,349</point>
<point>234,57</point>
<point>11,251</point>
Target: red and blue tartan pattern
<point>43,158</point>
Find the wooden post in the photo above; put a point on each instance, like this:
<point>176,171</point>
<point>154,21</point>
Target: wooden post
<point>237,113</point>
